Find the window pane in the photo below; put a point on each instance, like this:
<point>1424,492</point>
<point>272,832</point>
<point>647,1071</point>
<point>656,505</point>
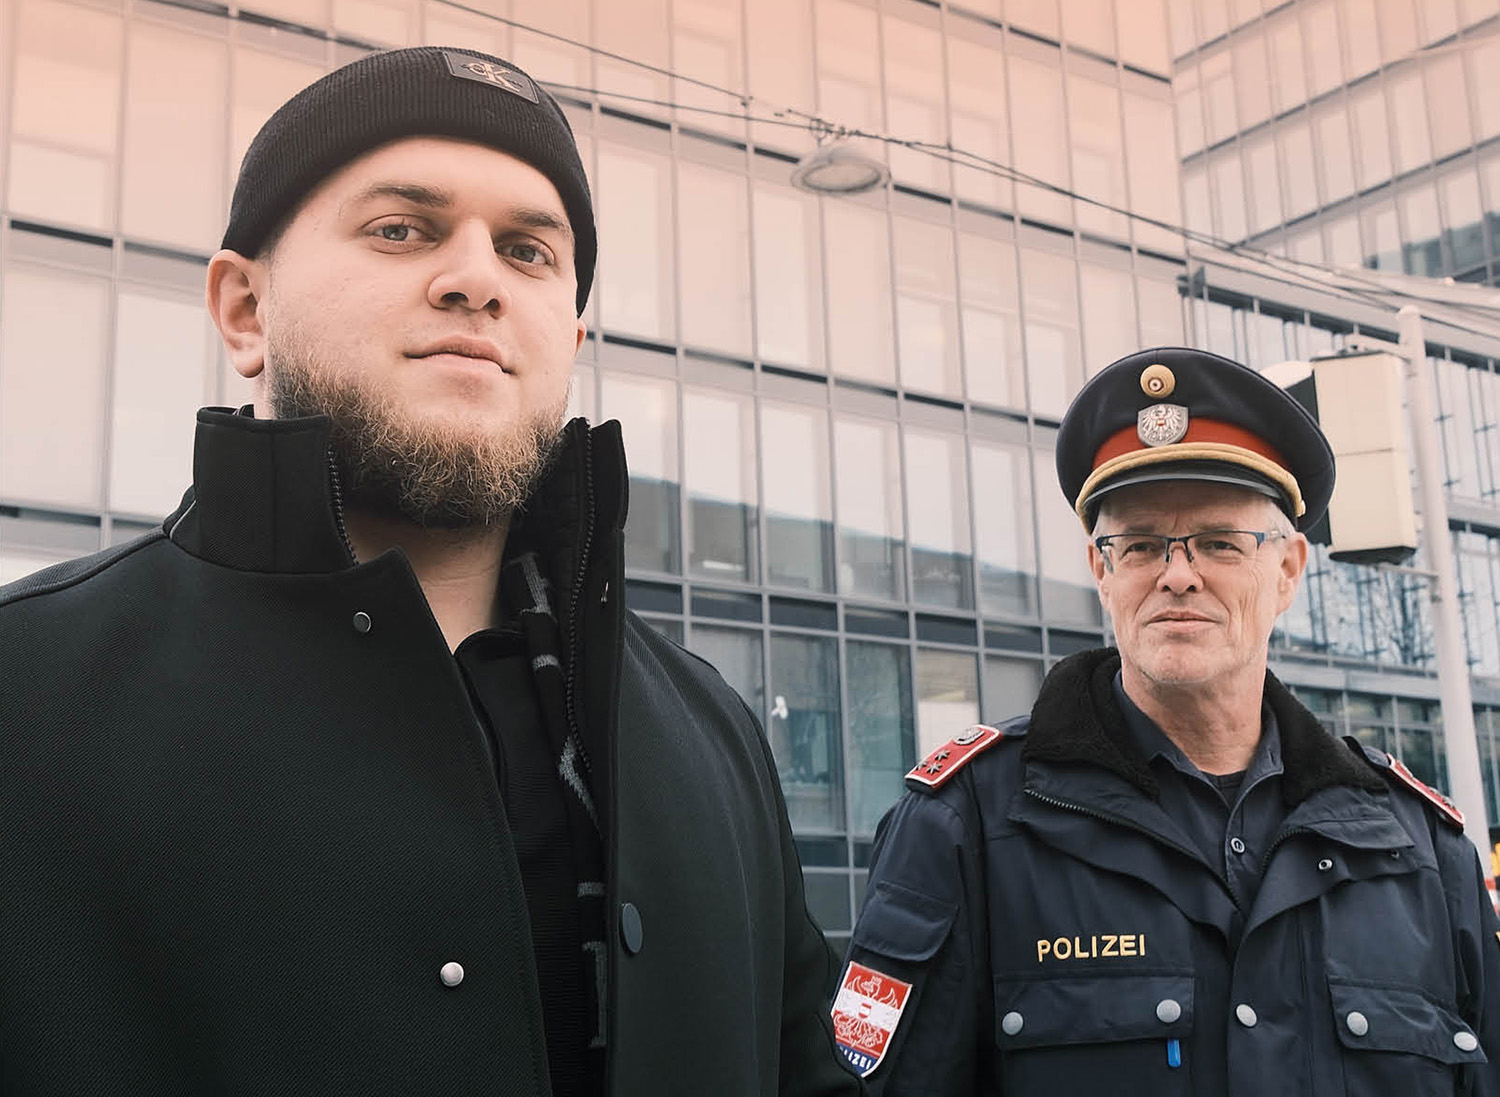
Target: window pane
<point>647,411</point>
<point>947,696</point>
<point>715,243</point>
<point>163,353</point>
<point>859,291</point>
<point>1152,164</point>
<point>1422,253</point>
<point>735,654</point>
<point>788,280</point>
<point>804,729</point>
<point>1464,218</point>
<point>1090,24</point>
<point>1040,136</point>
<point>635,243</point>
<point>65,115</point>
<point>1336,159</point>
<point>938,509</point>
<point>45,456</point>
<point>991,322</point>
<point>1409,115</point>
<point>1371,131</point>
<point>1290,84</point>
<point>1054,366</point>
<point>914,102</point>
<point>1010,686</point>
<point>1002,527</point>
<point>1252,84</point>
<point>848,52</point>
<point>1218,97</point>
<point>1382,240</point>
<point>882,738</point>
<point>1142,29</point>
<point>1321,34</point>
<point>976,93</point>
<point>1161,314</point>
<point>1449,99</point>
<point>1265,189</point>
<point>780,37</point>
<point>1229,192</point>
<point>1068,592</point>
<point>1361,50</point>
<point>1300,188</point>
<point>706,46</point>
<point>720,480</point>
<point>1098,155</point>
<point>799,526</point>
<point>1484,61</point>
<point>637,31</point>
<point>926,320</point>
<point>172,179</point>
<point>1109,315</point>
<point>872,550</point>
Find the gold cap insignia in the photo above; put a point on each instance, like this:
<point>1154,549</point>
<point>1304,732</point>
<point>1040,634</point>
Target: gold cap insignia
<point>1157,381</point>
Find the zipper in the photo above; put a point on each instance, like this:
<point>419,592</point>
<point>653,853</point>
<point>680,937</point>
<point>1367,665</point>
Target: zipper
<point>336,493</point>
<point>1120,820</point>
<point>575,601</point>
<point>1280,838</point>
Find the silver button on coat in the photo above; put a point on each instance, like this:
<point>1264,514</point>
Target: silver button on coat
<point>1465,1040</point>
<point>1011,1023</point>
<point>1246,1015</point>
<point>452,973</point>
<point>1167,1011</point>
<point>1358,1023</point>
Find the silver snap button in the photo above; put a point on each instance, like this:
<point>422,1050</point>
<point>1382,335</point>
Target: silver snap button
<point>1011,1023</point>
<point>362,623</point>
<point>1246,1015</point>
<point>632,932</point>
<point>1396,853</point>
<point>452,973</point>
<point>1237,844</point>
<point>1167,1011</point>
<point>1325,864</point>
<point>1358,1023</point>
<point>1465,1041</point>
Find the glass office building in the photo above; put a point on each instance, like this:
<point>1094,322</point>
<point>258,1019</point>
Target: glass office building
<point>839,411</point>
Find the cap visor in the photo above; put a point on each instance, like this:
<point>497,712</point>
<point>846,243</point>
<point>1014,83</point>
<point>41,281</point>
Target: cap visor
<point>1208,471</point>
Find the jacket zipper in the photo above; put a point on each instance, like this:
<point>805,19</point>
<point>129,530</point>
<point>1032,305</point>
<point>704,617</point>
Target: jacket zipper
<point>1120,820</point>
<point>575,601</point>
<point>1280,838</point>
<point>336,493</point>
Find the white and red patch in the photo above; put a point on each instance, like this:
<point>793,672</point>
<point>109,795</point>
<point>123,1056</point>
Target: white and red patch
<point>1445,806</point>
<point>935,770</point>
<point>865,1014</point>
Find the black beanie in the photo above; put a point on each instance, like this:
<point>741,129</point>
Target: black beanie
<point>423,92</point>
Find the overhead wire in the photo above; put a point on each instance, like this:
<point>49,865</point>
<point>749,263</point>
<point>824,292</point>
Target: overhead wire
<point>1364,290</point>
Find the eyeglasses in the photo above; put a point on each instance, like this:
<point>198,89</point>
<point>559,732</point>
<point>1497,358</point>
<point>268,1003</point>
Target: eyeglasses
<point>1141,552</point>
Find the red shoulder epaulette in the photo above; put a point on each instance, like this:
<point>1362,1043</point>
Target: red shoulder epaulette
<point>1445,807</point>
<point>933,771</point>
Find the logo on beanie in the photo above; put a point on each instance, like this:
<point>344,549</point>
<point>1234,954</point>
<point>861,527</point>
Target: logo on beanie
<point>492,73</point>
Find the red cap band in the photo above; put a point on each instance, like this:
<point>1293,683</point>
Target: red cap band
<point>1128,440</point>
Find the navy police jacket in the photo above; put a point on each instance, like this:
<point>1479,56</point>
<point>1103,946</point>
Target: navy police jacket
<point>1037,925</point>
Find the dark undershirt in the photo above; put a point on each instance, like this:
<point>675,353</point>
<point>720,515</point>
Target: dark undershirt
<point>496,669</point>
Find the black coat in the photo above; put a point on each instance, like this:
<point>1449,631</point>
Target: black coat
<point>1061,935</point>
<point>242,836</point>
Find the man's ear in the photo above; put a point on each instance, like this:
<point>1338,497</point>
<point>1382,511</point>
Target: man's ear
<point>583,330</point>
<point>1289,574</point>
<point>234,294</point>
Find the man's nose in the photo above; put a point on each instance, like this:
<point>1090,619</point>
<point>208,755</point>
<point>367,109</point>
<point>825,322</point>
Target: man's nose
<point>1178,573</point>
<point>471,276</point>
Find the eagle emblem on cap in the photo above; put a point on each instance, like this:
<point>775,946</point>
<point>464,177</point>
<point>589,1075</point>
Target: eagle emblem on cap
<point>1161,424</point>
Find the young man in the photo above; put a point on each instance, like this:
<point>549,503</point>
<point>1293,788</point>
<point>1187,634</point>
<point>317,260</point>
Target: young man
<point>1169,879</point>
<point>356,776</point>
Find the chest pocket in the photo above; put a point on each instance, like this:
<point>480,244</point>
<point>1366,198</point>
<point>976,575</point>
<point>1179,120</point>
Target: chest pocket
<point>1118,1034</point>
<point>1399,1041</point>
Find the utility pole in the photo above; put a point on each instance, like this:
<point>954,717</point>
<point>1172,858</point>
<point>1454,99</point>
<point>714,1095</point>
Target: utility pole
<point>1465,775</point>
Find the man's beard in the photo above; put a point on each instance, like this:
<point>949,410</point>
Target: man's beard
<point>464,475</point>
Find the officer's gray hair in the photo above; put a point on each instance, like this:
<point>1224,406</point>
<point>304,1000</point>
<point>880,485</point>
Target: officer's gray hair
<point>1277,520</point>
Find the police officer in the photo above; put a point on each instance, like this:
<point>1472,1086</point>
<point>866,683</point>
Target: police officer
<point>1169,878</point>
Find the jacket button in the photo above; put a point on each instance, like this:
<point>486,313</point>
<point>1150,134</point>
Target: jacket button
<point>1325,864</point>
<point>631,930</point>
<point>1237,844</point>
<point>452,974</point>
<point>1167,1011</point>
<point>1358,1023</point>
<point>1012,1023</point>
<point>1246,1015</point>
<point>1465,1041</point>
<point>362,623</point>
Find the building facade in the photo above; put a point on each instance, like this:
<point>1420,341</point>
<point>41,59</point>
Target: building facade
<point>839,411</point>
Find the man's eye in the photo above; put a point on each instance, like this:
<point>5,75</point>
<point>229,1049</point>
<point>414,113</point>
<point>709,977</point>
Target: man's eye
<point>396,232</point>
<point>1140,548</point>
<point>529,254</point>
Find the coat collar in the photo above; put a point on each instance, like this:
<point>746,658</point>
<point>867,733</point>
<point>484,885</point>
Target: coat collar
<point>264,497</point>
<point>1076,720</point>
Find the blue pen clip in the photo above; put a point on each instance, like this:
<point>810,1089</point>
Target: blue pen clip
<point>1174,1052</point>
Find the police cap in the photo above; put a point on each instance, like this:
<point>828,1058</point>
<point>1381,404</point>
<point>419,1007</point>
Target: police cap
<point>1174,413</point>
